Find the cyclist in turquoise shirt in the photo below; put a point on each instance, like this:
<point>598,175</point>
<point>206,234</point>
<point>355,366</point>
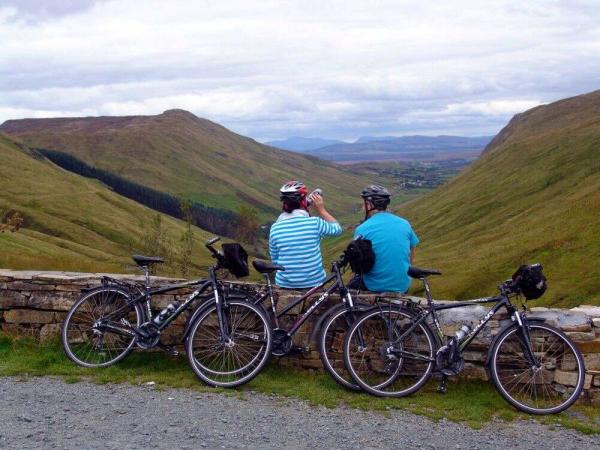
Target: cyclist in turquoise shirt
<point>393,241</point>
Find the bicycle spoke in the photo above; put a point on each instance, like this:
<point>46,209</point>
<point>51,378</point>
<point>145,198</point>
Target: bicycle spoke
<point>380,365</point>
<point>535,387</point>
<point>93,346</point>
<point>227,361</point>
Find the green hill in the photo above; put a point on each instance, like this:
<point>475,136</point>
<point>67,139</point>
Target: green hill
<point>186,156</point>
<point>71,222</point>
<point>534,196</point>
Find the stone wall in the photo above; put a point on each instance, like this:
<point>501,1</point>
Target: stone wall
<point>34,303</point>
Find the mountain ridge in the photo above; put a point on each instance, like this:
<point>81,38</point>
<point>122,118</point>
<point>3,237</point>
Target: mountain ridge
<point>533,196</point>
<point>186,156</point>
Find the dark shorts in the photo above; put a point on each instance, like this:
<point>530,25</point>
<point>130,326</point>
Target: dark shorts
<point>356,282</point>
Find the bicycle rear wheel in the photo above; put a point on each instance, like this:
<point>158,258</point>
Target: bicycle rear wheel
<point>331,344</point>
<point>546,386</point>
<point>236,359</point>
<point>387,355</point>
<point>85,338</point>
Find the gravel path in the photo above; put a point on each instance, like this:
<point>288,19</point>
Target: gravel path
<point>49,413</point>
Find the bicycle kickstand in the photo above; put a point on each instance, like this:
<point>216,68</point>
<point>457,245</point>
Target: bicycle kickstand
<point>443,386</point>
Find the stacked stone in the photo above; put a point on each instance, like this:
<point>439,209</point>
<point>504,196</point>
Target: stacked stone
<point>34,303</point>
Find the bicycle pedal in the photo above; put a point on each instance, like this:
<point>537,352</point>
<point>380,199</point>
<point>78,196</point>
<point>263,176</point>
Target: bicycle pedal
<point>296,350</point>
<point>171,351</point>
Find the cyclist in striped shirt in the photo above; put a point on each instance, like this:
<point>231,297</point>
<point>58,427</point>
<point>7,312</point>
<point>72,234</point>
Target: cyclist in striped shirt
<point>295,238</point>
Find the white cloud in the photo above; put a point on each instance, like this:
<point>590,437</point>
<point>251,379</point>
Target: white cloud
<point>271,69</point>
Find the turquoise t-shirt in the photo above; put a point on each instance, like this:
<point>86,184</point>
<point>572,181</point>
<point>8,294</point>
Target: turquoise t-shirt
<point>392,238</point>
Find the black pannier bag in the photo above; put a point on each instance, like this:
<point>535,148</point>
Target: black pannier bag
<point>360,255</point>
<point>530,281</point>
<point>235,259</point>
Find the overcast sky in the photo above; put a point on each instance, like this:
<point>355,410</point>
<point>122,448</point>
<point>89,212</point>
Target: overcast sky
<point>273,69</point>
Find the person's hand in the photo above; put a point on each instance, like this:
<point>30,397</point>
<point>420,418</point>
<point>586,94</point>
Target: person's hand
<point>317,202</point>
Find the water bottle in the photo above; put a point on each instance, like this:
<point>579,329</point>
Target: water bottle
<point>165,313</point>
<point>309,199</point>
<point>462,332</point>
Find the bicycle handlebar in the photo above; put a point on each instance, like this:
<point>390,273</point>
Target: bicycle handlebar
<point>209,245</point>
<point>212,241</point>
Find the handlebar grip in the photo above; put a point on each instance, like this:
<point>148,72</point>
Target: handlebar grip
<point>212,241</point>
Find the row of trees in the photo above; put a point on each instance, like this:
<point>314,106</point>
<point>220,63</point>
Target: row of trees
<point>218,221</point>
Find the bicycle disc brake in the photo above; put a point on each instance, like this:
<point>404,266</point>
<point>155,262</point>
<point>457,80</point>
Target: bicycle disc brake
<point>282,342</point>
<point>148,335</point>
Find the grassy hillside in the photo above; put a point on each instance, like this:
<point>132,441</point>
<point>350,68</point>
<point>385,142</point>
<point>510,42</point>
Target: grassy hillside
<point>71,222</point>
<point>534,196</point>
<point>181,154</point>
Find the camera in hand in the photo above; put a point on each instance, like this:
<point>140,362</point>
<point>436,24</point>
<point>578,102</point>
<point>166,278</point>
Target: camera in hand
<point>309,199</point>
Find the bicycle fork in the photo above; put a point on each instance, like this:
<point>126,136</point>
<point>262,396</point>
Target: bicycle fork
<point>525,340</point>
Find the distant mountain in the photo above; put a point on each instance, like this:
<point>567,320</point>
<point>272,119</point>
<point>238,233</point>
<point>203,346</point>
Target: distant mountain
<point>366,139</point>
<point>403,148</point>
<point>302,144</point>
<point>186,156</point>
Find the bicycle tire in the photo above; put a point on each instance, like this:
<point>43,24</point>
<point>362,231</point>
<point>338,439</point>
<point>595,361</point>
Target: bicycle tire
<point>218,370</point>
<point>389,378</point>
<point>509,367</point>
<point>332,358</point>
<point>78,334</point>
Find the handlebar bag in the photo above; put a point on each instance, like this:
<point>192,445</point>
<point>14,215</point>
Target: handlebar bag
<point>235,260</point>
<point>530,281</point>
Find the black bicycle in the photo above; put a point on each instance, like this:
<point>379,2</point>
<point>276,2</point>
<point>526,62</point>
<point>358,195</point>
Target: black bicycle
<point>227,338</point>
<point>328,332</point>
<point>392,351</point>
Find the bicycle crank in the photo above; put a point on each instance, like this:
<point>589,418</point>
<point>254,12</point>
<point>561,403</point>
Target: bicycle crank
<point>282,342</point>
<point>148,335</point>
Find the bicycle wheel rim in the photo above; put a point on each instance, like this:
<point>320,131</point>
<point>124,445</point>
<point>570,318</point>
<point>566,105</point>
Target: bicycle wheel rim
<point>549,389</point>
<point>371,366</point>
<point>88,347</point>
<point>331,344</point>
<point>218,364</point>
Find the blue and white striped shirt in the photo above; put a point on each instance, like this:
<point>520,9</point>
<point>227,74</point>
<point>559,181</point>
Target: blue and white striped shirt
<point>295,243</point>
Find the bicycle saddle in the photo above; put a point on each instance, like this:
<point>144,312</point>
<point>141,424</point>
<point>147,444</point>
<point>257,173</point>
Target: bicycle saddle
<point>263,266</point>
<point>415,272</point>
<point>146,260</point>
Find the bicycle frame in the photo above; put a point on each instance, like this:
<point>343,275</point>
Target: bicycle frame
<point>501,301</point>
<point>146,295</point>
<point>337,285</point>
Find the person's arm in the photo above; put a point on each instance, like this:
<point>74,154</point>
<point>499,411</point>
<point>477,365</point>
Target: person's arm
<point>414,240</point>
<point>319,206</point>
<point>329,226</point>
<point>273,249</point>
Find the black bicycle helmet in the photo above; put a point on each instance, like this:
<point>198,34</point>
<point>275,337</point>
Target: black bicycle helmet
<point>377,195</point>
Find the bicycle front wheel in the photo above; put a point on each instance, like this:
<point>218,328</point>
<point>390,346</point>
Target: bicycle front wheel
<point>98,329</point>
<point>387,354</point>
<point>546,385</point>
<point>236,356</point>
<point>331,344</point>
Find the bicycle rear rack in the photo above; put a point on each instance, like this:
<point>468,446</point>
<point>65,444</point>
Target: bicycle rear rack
<point>125,284</point>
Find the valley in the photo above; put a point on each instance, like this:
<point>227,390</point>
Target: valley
<point>532,196</point>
